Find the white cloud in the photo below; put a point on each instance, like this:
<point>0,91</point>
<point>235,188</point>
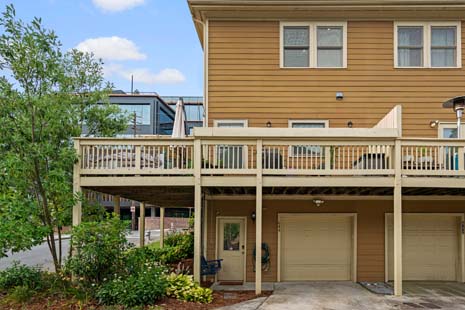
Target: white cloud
<point>112,48</point>
<point>117,5</point>
<point>165,76</point>
<point>144,75</point>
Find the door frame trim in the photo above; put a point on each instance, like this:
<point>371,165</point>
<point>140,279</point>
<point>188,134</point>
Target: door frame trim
<point>218,218</point>
<point>354,239</point>
<point>460,273</point>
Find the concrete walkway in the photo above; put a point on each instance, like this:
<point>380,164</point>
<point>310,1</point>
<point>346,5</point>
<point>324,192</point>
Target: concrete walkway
<point>323,295</point>
<point>348,296</point>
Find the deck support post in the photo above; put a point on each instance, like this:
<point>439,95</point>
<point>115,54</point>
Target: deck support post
<point>197,208</point>
<point>142,224</point>
<point>162,227</point>
<point>258,221</point>
<point>117,204</point>
<point>77,190</point>
<point>398,220</point>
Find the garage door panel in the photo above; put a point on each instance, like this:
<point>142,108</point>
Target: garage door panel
<point>430,246</point>
<point>316,247</point>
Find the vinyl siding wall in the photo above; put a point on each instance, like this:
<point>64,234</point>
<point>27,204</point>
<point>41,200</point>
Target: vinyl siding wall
<point>246,82</point>
<point>370,228</point>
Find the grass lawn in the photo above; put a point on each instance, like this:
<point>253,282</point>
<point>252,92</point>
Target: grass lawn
<point>154,245</point>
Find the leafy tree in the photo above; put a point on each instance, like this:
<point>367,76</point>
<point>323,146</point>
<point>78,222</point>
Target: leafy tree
<point>47,96</point>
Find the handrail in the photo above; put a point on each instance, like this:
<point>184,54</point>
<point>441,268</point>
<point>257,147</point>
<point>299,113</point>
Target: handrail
<point>305,156</point>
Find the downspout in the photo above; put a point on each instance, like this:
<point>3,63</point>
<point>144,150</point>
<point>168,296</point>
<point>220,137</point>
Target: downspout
<point>205,69</point>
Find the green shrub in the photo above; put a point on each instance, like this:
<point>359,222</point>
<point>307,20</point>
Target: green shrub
<point>143,288</point>
<point>183,287</point>
<point>20,275</point>
<point>184,244</point>
<point>21,294</point>
<point>99,250</point>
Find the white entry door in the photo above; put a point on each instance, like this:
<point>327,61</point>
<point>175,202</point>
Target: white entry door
<point>231,248</point>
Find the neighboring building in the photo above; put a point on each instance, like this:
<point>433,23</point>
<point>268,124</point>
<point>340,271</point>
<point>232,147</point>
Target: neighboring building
<point>193,106</point>
<point>325,138</point>
<point>154,116</point>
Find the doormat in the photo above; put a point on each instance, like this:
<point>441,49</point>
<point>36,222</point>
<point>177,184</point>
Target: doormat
<point>380,288</point>
<point>231,283</point>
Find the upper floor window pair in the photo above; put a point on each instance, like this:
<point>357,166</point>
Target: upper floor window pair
<point>427,45</point>
<point>416,45</point>
<point>313,45</point>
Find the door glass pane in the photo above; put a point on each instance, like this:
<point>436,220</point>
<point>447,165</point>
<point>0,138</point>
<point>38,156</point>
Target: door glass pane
<point>449,133</point>
<point>230,124</point>
<point>231,237</point>
<point>306,151</point>
<point>230,156</point>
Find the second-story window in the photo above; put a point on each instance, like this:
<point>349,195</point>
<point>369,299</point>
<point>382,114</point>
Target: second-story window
<point>427,45</point>
<point>443,46</point>
<point>410,46</point>
<point>313,45</point>
<point>330,46</point>
<point>296,46</point>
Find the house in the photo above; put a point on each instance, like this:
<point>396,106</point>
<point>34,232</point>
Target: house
<point>193,107</point>
<point>153,115</point>
<point>325,139</point>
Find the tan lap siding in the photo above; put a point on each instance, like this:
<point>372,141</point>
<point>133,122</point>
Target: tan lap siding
<point>370,228</point>
<point>245,81</point>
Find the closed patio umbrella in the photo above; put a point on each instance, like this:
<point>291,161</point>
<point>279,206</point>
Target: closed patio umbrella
<point>179,128</point>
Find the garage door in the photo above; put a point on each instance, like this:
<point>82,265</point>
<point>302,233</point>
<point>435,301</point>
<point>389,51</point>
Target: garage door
<point>316,247</point>
<point>430,247</point>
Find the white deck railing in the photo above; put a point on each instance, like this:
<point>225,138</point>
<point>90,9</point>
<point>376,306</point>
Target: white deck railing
<point>238,156</point>
<point>136,156</point>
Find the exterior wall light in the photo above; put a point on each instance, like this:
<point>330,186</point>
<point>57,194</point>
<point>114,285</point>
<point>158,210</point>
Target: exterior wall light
<point>318,202</point>
<point>268,124</point>
<point>434,124</point>
<point>253,216</point>
<point>339,95</point>
<point>350,124</point>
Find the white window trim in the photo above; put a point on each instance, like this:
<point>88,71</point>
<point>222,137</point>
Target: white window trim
<point>304,121</point>
<point>245,149</point>
<point>244,122</point>
<point>308,121</point>
<point>449,125</point>
<point>427,42</point>
<point>313,49</point>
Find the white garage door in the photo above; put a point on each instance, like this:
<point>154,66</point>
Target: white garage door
<point>430,247</point>
<point>316,247</point>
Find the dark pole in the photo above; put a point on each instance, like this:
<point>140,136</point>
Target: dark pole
<point>134,124</point>
<point>132,84</point>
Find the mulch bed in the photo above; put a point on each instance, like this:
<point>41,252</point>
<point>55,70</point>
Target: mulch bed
<point>218,301</point>
<point>52,303</point>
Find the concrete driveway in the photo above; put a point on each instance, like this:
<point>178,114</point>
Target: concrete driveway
<point>351,296</point>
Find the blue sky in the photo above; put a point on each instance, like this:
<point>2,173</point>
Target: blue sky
<point>155,40</point>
